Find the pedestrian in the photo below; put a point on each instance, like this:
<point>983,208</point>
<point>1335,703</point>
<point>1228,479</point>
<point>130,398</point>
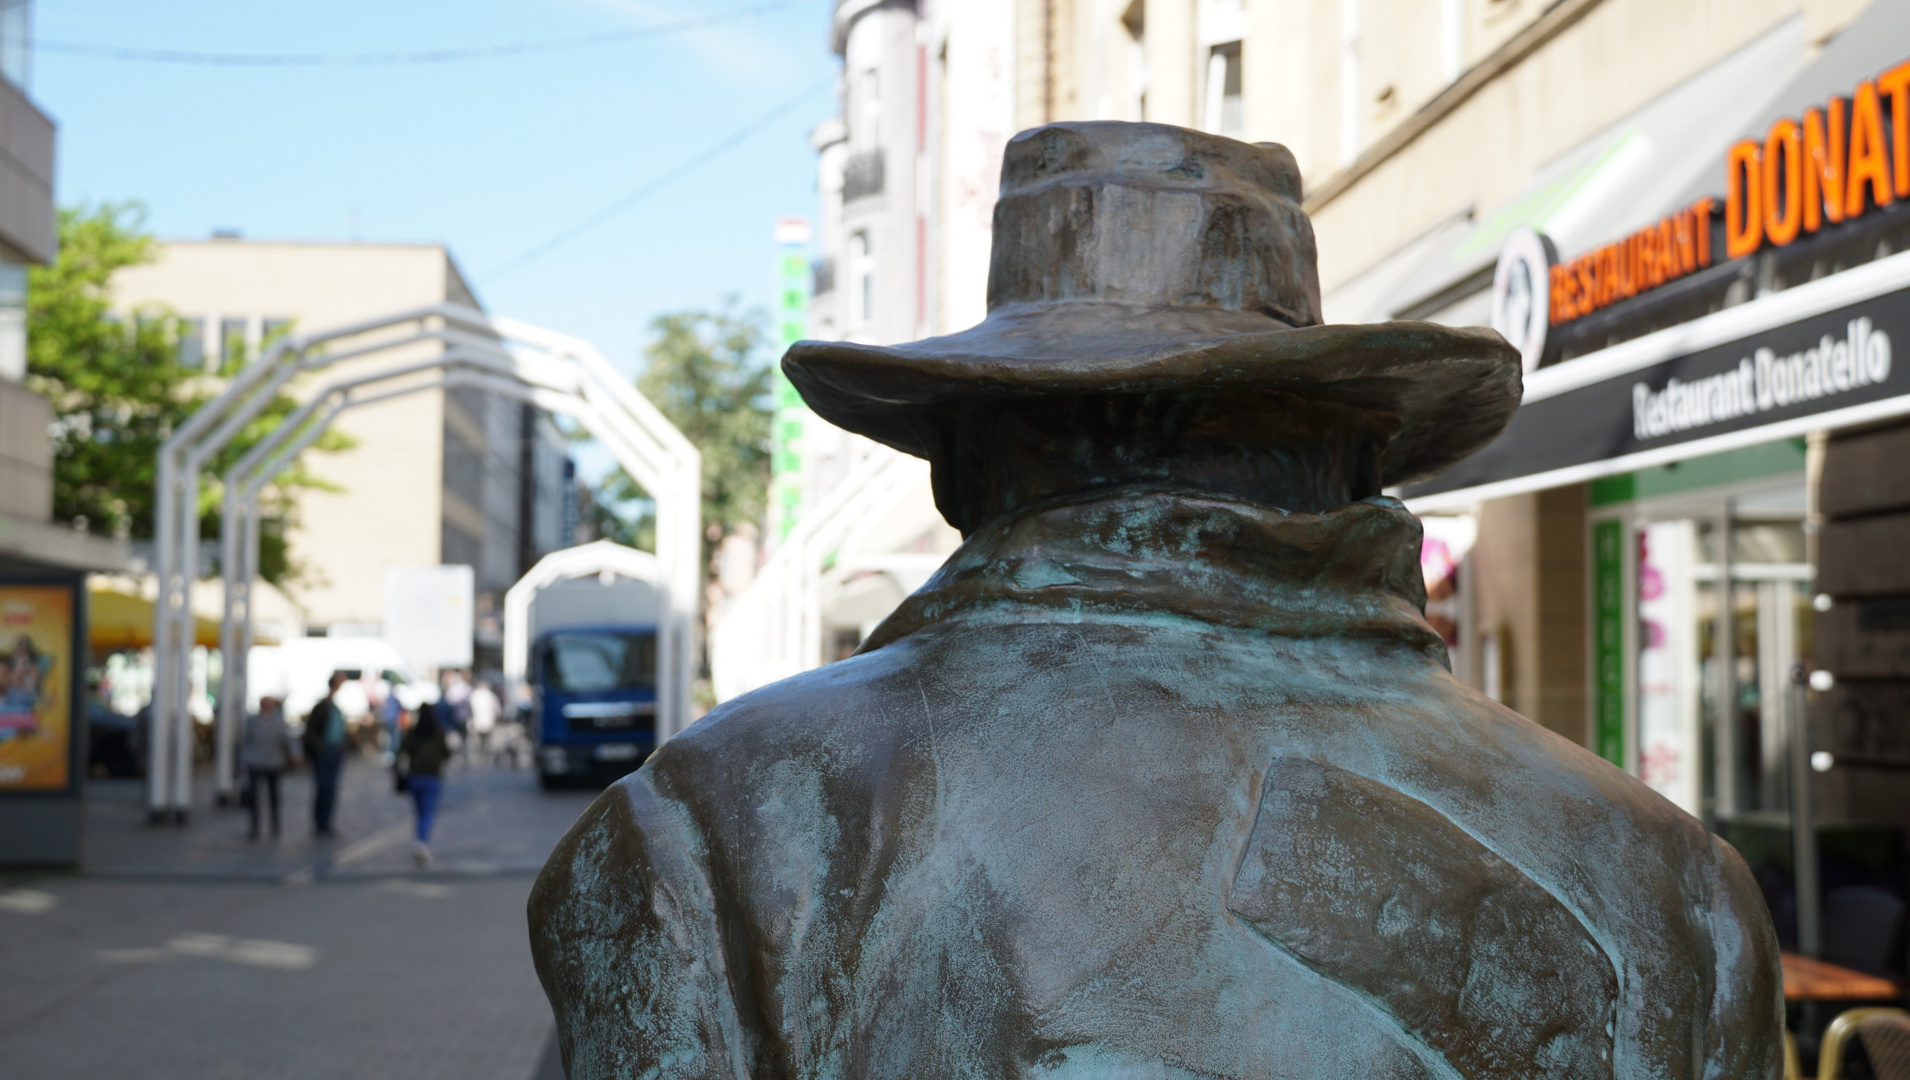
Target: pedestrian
<point>391,712</point>
<point>484,707</point>
<point>265,751</point>
<point>325,738</point>
<point>421,758</point>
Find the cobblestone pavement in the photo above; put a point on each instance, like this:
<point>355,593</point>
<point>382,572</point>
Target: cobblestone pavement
<point>191,952</point>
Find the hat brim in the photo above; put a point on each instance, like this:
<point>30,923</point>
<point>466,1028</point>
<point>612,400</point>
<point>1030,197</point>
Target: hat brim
<point>1452,389</point>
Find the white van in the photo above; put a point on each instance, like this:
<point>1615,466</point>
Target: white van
<point>301,669</point>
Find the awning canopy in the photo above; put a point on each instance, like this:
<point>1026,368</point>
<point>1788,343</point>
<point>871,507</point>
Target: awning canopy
<point>117,620</point>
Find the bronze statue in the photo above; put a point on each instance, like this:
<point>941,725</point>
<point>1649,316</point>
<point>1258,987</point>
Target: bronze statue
<point>1164,773</point>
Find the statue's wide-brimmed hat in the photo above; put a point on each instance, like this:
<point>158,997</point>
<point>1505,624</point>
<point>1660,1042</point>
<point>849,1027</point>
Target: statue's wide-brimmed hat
<point>1138,258</point>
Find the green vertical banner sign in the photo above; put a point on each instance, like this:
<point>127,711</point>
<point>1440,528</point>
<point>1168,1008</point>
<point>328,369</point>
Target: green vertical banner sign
<point>792,416</point>
<point>1608,640</point>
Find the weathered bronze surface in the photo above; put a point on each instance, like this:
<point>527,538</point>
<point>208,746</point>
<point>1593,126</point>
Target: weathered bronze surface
<point>1163,774</point>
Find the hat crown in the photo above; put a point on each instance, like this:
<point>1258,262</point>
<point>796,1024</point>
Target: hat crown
<point>1153,215</point>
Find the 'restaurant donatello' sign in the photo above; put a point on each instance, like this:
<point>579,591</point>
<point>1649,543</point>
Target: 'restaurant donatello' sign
<point>1821,355</point>
<point>1833,164</point>
<point>1816,356</point>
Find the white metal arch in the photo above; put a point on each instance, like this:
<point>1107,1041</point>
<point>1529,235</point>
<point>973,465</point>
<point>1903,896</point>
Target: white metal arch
<point>597,557</point>
<point>774,629</point>
<point>555,371</point>
<point>541,384</point>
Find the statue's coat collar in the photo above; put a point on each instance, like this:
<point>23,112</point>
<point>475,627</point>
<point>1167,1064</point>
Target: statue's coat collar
<point>1150,551</point>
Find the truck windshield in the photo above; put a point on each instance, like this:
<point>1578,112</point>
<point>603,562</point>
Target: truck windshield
<point>596,661</point>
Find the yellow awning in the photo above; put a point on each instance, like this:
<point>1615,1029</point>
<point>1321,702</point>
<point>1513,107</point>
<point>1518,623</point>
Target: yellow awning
<point>120,620</point>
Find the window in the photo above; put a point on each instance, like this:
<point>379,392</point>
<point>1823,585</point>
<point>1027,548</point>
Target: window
<point>273,329</point>
<point>868,109</point>
<point>862,251</point>
<point>1452,38</point>
<point>232,350</point>
<point>1349,81</point>
<point>1223,89</point>
<point>599,662</point>
<point>13,321</point>
<point>192,343</point>
<point>16,46</point>
<point>1135,20</point>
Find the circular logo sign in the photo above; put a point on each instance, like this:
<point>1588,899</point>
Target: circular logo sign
<point>1522,293</point>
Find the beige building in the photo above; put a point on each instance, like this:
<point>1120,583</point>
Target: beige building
<point>453,477</point>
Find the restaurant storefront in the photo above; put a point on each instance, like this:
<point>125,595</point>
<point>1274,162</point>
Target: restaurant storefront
<point>1709,481</point>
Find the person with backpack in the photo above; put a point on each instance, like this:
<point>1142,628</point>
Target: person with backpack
<point>420,764</point>
<point>325,739</point>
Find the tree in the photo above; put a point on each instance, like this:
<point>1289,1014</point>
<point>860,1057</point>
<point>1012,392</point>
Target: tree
<point>118,390</point>
<point>705,372</point>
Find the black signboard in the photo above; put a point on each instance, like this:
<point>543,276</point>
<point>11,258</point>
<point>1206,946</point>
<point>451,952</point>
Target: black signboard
<point>1819,364</point>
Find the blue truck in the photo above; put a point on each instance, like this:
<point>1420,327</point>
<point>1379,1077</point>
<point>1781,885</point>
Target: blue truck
<point>593,701</point>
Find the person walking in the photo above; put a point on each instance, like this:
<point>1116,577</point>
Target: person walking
<point>484,707</point>
<point>325,746</point>
<point>264,752</point>
<point>421,758</point>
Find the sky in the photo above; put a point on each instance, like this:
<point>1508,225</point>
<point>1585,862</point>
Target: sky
<point>492,157</point>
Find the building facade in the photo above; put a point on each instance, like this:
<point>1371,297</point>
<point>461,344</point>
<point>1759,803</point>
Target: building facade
<point>1686,214</point>
<point>437,477</point>
<point>43,563</point>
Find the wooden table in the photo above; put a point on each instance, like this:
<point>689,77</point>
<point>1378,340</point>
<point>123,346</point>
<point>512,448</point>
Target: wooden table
<point>1814,980</point>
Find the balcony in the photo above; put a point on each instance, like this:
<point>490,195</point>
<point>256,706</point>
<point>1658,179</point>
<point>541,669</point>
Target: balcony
<point>862,176</point>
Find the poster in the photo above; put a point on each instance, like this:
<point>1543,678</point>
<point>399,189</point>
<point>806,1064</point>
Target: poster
<point>1668,701</point>
<point>36,683</point>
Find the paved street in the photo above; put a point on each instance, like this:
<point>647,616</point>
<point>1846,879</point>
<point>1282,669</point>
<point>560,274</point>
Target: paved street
<point>195,953</point>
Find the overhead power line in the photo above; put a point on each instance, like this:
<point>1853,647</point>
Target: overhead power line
<point>660,182</point>
<point>423,56</point>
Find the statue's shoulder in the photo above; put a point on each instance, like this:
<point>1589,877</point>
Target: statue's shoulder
<point>844,708</point>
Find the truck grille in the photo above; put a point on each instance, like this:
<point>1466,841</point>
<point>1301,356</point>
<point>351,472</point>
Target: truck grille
<point>609,715</point>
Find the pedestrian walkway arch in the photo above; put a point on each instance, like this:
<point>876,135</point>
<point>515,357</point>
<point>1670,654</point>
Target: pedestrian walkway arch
<point>552,371</point>
<point>774,629</point>
<point>599,558</point>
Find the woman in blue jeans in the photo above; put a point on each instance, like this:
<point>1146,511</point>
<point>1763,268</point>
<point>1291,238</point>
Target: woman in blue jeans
<point>421,757</point>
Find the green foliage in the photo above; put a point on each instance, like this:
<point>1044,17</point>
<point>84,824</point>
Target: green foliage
<point>619,511</point>
<point>118,390</point>
<point>705,372</point>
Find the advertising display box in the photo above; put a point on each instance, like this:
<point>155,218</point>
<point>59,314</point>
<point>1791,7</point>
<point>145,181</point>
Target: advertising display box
<point>42,714</point>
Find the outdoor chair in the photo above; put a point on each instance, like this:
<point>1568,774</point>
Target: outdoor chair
<point>1884,1034</point>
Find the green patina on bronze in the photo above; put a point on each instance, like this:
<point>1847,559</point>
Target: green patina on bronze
<point>1163,774</point>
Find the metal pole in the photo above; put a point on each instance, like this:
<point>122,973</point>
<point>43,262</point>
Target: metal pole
<point>237,601</point>
<point>158,719</point>
<point>1726,755</point>
<point>1803,819</point>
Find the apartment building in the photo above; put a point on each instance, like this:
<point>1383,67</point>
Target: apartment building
<point>436,477</point>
